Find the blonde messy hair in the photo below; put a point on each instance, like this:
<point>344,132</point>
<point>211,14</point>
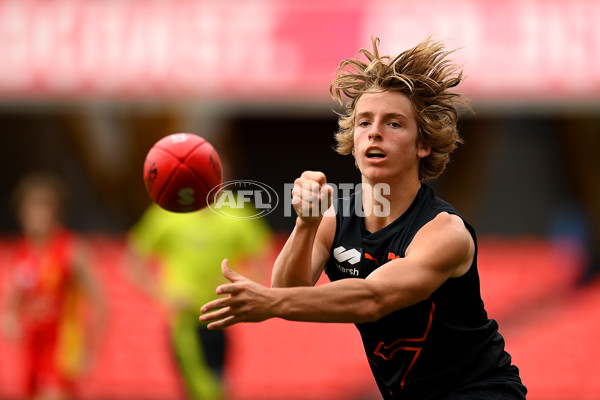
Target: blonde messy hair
<point>424,75</point>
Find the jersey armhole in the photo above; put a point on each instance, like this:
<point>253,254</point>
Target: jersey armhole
<point>471,230</point>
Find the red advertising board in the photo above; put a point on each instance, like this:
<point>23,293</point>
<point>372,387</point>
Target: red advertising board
<point>271,49</point>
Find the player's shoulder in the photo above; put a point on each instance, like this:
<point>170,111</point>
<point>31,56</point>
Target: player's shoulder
<point>449,220</point>
<point>446,242</point>
<point>450,224</point>
<point>445,229</point>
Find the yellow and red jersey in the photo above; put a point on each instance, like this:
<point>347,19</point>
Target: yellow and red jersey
<point>49,309</point>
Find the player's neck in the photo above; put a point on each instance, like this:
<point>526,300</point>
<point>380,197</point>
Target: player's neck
<point>39,238</point>
<point>384,203</point>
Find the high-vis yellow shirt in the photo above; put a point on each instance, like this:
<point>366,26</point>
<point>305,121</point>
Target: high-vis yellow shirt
<point>191,247</point>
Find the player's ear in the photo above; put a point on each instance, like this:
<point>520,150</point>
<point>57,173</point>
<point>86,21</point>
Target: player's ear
<point>422,150</point>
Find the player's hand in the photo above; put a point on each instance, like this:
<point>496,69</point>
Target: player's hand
<point>243,301</point>
<point>311,196</point>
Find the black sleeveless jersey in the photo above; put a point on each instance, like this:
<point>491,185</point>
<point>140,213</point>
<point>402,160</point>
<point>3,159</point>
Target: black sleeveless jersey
<point>437,346</point>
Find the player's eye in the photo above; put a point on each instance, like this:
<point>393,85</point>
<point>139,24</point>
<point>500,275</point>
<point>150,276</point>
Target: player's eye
<point>395,124</point>
<point>363,123</point>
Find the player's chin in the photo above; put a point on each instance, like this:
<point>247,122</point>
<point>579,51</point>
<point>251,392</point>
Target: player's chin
<point>375,174</point>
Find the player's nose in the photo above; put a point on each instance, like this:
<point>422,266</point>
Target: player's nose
<point>375,132</point>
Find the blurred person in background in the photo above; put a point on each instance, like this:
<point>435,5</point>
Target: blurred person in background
<point>55,305</point>
<point>185,247</point>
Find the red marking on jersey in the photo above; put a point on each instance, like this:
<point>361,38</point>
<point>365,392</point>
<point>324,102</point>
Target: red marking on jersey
<point>387,352</point>
<point>370,257</point>
<point>392,256</point>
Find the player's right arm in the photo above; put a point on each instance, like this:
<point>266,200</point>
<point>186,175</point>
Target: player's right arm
<point>306,251</point>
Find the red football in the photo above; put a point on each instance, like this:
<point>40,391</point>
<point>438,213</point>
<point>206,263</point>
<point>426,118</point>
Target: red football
<point>180,170</point>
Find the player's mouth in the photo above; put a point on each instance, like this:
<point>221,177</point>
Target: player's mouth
<point>375,154</point>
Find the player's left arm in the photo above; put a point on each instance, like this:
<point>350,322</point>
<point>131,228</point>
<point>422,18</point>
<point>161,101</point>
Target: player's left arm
<point>442,249</point>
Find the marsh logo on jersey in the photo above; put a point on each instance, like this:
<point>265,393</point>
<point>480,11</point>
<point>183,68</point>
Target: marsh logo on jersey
<point>351,256</point>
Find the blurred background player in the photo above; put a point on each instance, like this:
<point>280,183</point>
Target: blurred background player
<point>44,308</point>
<point>188,248</point>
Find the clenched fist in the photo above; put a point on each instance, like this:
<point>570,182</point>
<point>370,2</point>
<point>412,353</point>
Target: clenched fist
<point>311,196</point>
